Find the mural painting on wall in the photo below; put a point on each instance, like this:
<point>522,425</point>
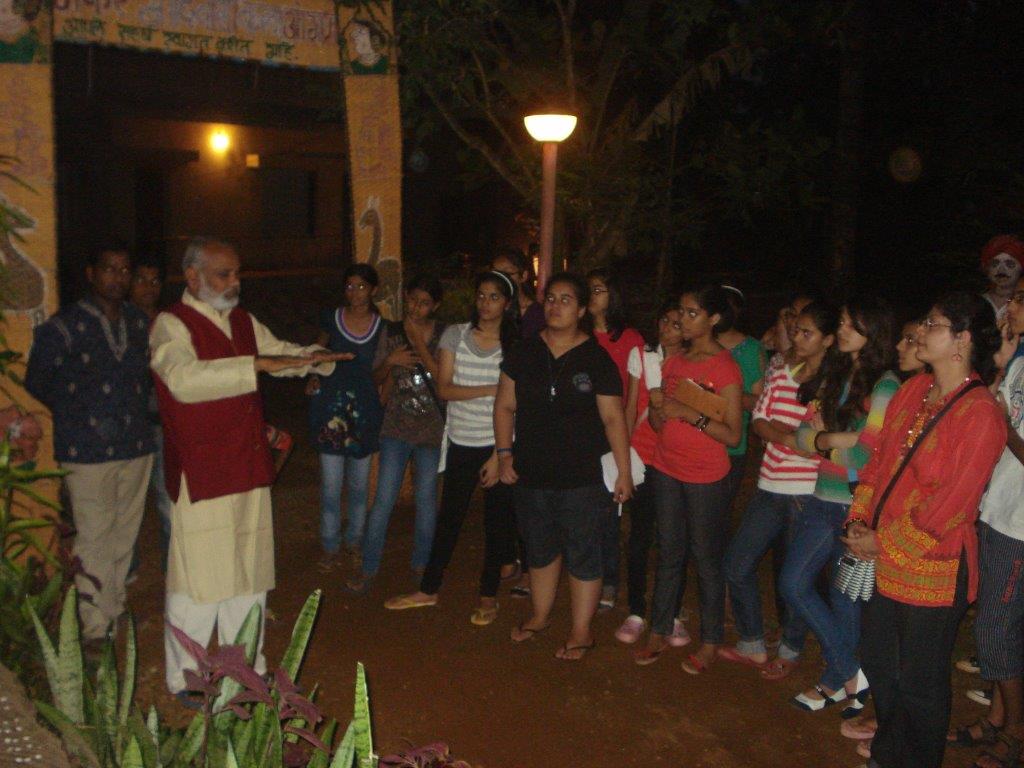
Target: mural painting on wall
<point>369,68</point>
<point>28,242</point>
<point>292,32</point>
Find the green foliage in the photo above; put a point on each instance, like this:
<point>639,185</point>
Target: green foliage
<point>102,726</point>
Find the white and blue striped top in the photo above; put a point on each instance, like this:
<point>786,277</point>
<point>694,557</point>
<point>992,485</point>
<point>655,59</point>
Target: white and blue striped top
<point>470,422</point>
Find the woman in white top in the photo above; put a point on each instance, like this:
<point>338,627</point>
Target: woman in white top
<point>469,356</point>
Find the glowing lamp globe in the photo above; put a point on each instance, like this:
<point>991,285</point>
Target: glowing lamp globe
<point>550,128</point>
<point>220,141</point>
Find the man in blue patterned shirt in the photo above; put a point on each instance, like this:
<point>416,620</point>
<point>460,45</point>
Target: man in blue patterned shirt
<point>89,365</point>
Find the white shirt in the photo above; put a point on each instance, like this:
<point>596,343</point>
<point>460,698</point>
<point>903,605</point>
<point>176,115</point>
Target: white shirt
<point>1002,506</point>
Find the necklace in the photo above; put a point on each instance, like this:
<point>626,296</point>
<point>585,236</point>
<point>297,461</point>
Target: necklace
<point>925,412</point>
<point>553,374</point>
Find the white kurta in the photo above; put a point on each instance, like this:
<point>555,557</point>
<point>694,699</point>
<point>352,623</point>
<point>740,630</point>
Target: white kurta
<point>223,547</point>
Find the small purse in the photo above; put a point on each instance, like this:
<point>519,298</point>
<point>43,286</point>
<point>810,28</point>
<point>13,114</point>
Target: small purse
<point>855,577</point>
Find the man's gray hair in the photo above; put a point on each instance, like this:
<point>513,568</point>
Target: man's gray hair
<point>195,251</point>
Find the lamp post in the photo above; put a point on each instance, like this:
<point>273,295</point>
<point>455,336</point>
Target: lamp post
<point>549,130</point>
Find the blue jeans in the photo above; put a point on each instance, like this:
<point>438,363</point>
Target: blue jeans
<point>394,456</point>
<point>333,472</point>
<point>767,515</point>
<point>692,519</point>
<point>814,543</point>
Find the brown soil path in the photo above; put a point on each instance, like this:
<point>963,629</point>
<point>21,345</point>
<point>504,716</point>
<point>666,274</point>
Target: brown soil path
<point>434,676</point>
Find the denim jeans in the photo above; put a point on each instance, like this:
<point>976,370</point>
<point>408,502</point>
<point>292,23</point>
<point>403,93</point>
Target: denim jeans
<point>767,516</point>
<point>394,456</point>
<point>334,470</point>
<point>814,543</point>
<point>692,519</point>
<point>641,537</point>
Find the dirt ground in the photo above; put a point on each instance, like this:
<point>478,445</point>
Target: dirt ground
<point>433,676</point>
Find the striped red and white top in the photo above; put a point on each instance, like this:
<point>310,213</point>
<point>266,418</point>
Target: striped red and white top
<point>782,469</point>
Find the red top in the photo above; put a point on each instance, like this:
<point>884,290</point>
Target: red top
<point>619,349</point>
<point>219,445</point>
<point>929,517</point>
<point>684,452</point>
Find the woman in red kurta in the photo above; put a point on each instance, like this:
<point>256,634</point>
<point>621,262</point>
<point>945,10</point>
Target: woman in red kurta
<point>925,547</point>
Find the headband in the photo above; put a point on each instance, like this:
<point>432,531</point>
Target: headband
<point>735,290</point>
<point>507,280</point>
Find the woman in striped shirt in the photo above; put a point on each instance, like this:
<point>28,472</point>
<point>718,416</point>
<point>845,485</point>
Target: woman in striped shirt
<point>785,476</point>
<point>849,400</point>
<point>469,356</point>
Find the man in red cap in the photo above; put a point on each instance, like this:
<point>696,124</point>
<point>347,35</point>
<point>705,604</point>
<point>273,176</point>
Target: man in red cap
<point>1001,261</point>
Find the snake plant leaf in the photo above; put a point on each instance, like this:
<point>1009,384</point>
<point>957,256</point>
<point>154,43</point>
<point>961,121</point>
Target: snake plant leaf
<point>130,664</point>
<point>361,718</point>
<point>64,664</point>
<point>248,637</point>
<point>292,659</point>
<point>106,695</point>
<point>320,758</point>
<point>230,761</point>
<point>242,732</point>
<point>274,755</point>
<point>148,745</point>
<point>262,723</point>
<point>74,740</point>
<point>132,755</point>
<point>192,741</point>
<point>346,752</point>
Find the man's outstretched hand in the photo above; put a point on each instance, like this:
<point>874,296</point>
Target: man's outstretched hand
<point>276,363</point>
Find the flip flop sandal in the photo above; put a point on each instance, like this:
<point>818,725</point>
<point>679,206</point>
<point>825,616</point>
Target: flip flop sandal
<point>857,730</point>
<point>530,633</point>
<point>694,666</point>
<point>731,654</point>
<point>404,602</point>
<point>646,656</point>
<point>483,616</point>
<point>584,649</point>
<point>964,737</point>
<point>518,591</point>
<point>778,669</point>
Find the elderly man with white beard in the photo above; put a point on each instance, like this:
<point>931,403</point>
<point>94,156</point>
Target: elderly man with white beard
<point>206,356</point>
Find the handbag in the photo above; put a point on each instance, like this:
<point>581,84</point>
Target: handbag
<point>855,577</point>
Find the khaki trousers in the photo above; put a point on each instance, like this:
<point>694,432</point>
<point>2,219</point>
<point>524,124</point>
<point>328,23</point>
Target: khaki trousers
<point>107,501</point>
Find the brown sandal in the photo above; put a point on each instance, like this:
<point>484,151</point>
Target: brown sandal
<point>964,738</point>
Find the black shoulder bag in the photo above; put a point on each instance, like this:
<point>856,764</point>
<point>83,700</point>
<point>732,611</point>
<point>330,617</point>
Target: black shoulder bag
<point>854,577</point>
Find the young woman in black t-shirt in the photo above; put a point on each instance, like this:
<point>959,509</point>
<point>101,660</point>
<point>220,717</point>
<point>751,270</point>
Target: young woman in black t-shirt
<point>561,389</point>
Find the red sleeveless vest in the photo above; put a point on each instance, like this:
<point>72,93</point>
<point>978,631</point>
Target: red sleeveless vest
<point>219,445</point>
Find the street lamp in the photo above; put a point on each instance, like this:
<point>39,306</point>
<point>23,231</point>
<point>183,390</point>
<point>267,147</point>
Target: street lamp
<point>549,130</point>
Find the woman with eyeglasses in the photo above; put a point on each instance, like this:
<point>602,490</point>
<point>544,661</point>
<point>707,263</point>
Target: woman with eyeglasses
<point>469,356</point>
<point>606,310</point>
<point>849,397</point>
<point>560,388</point>
<point>924,544</point>
<point>699,418</point>
<point>345,413</point>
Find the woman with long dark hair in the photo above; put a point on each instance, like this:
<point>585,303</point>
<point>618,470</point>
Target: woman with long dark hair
<point>469,356</point>
<point>406,368</point>
<point>690,474</point>
<point>850,395</point>
<point>914,514</point>
<point>606,311</point>
<point>786,478</point>
<point>513,262</point>
<point>345,413</point>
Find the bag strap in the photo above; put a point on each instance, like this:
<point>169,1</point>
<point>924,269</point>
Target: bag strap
<point>920,439</point>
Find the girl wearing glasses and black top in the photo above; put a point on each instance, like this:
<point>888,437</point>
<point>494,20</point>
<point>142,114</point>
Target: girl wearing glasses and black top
<point>560,389</point>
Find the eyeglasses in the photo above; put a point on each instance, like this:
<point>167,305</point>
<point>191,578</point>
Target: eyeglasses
<point>929,323</point>
<point>597,290</point>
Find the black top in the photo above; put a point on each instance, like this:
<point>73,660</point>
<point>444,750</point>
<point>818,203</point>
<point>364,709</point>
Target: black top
<point>559,433</point>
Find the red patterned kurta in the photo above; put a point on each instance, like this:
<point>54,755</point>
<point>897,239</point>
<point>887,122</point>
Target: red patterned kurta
<point>929,517</point>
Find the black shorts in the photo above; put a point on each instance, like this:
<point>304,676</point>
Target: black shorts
<point>566,522</point>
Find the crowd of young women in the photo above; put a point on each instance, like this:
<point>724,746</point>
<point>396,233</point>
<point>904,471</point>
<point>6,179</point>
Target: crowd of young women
<point>877,448</point>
